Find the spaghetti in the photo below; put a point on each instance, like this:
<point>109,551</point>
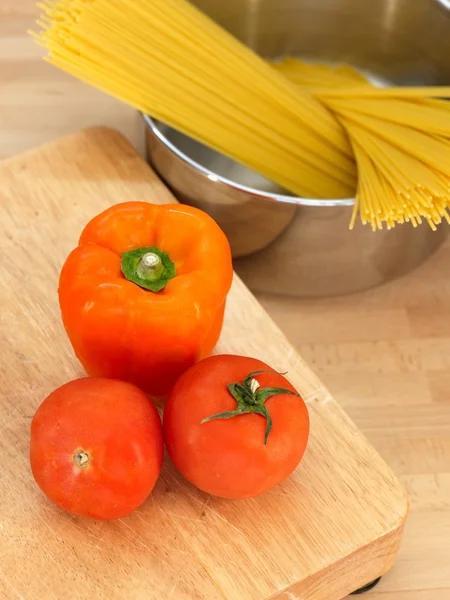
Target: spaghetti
<point>316,76</point>
<point>401,140</point>
<point>300,125</point>
<point>169,60</point>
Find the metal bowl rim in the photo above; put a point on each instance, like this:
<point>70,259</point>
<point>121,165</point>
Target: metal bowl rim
<point>214,177</point>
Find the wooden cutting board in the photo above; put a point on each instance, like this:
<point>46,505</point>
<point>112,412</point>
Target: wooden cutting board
<point>334,526</point>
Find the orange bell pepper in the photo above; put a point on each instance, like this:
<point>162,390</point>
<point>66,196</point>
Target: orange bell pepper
<point>143,295</point>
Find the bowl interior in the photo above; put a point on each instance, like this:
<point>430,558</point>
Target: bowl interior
<point>216,163</point>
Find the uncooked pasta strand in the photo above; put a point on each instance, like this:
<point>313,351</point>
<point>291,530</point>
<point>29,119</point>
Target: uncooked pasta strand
<point>319,75</point>
<point>387,92</point>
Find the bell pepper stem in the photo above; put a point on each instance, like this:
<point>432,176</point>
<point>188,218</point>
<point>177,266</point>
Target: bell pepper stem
<point>150,268</point>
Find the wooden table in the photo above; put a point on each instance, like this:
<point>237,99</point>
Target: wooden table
<point>384,353</point>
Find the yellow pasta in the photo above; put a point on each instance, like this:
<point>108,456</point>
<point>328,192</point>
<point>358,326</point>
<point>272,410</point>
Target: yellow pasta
<point>317,76</point>
<point>401,140</point>
<point>169,60</point>
<point>305,126</point>
<point>411,93</point>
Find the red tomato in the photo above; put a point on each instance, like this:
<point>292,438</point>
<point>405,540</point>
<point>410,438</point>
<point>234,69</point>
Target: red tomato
<point>97,447</point>
<point>227,456</point>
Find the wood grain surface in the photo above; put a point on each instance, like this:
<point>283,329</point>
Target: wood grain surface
<point>333,526</point>
<point>383,353</point>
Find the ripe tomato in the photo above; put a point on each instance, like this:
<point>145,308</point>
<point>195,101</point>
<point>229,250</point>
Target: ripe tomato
<point>97,447</point>
<point>216,433</point>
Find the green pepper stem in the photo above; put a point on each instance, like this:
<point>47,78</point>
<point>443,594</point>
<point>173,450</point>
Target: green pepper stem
<point>150,268</point>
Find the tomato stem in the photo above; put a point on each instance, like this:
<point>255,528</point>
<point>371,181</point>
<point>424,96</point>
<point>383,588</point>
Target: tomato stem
<point>81,459</point>
<point>149,267</point>
<point>254,385</point>
<point>251,398</point>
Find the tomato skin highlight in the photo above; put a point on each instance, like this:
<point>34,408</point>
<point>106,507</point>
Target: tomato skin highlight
<point>227,457</point>
<point>117,432</point>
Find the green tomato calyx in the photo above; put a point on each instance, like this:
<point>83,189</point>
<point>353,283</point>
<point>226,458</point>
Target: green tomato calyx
<point>251,398</point>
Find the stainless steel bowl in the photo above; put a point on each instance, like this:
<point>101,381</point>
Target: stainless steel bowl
<point>301,246</point>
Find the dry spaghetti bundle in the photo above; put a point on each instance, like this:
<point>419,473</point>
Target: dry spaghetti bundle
<point>401,142</point>
<point>403,155</point>
<point>169,60</point>
<point>300,125</point>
